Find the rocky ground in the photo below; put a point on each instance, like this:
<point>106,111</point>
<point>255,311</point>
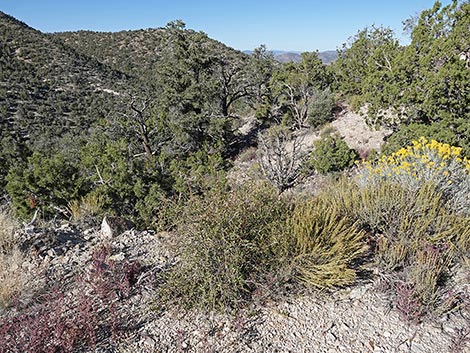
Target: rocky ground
<point>349,125</point>
<point>356,319</point>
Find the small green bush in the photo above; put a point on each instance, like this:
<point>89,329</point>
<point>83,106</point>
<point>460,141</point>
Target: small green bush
<point>46,182</point>
<point>331,154</point>
<point>120,179</point>
<point>199,172</point>
<point>320,110</point>
<point>228,241</point>
<point>149,203</point>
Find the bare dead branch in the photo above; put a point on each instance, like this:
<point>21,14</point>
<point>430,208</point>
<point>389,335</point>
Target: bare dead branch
<point>33,221</point>
<point>280,157</point>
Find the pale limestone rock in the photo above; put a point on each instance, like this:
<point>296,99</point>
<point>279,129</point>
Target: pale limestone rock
<point>114,226</point>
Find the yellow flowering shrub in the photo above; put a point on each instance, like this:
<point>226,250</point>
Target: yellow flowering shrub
<point>425,161</point>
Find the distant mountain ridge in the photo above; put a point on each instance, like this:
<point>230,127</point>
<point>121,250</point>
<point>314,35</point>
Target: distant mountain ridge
<point>284,56</point>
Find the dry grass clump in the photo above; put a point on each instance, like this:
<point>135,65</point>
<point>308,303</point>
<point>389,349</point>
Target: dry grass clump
<point>7,230</point>
<point>15,278</point>
<point>88,207</point>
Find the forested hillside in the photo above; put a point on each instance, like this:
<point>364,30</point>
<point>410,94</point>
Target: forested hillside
<point>50,95</point>
<point>133,52</point>
<point>161,101</point>
<point>426,83</point>
<point>173,94</point>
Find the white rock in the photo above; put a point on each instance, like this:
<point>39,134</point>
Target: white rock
<point>114,226</point>
<point>118,257</point>
<point>149,341</point>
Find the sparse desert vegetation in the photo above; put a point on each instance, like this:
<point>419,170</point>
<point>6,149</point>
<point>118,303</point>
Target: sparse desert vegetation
<point>248,197</point>
<point>16,276</point>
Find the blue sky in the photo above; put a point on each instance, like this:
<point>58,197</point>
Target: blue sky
<point>301,25</point>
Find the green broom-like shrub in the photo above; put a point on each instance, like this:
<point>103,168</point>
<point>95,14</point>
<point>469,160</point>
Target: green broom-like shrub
<point>327,245</point>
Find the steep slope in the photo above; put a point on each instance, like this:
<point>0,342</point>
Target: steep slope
<point>43,82</point>
<point>48,92</point>
<point>134,52</point>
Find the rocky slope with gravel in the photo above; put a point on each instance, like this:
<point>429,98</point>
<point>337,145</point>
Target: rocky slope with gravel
<point>355,319</point>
